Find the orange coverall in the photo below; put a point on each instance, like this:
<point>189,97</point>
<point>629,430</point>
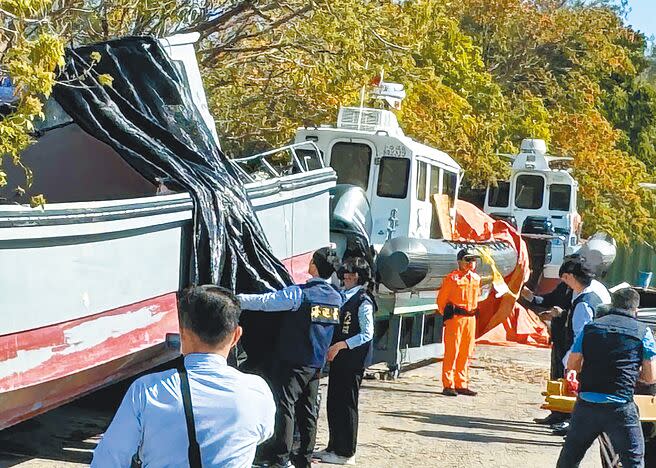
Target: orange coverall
<point>462,289</point>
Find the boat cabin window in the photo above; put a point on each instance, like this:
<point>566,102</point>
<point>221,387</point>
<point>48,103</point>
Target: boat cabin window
<point>559,197</point>
<point>351,161</point>
<point>393,177</point>
<point>499,196</point>
<point>422,172</point>
<point>529,192</point>
<point>449,185</point>
<point>434,181</point>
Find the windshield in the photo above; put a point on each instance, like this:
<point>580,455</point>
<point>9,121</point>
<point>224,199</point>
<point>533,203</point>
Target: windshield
<point>559,197</point>
<point>529,192</point>
<point>499,196</point>
<point>422,171</point>
<point>450,184</point>
<point>351,161</point>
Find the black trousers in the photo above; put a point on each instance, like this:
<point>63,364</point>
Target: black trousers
<point>620,422</point>
<point>558,352</point>
<point>342,406</point>
<point>296,390</point>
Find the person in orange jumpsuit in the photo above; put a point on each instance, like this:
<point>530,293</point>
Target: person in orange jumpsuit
<point>457,301</point>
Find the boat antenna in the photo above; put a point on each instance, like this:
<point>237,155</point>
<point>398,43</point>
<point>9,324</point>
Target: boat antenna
<point>362,93</point>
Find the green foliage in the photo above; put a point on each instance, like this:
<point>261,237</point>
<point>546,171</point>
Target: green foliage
<point>480,76</point>
<point>30,53</point>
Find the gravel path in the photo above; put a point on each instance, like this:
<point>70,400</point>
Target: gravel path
<point>404,423</point>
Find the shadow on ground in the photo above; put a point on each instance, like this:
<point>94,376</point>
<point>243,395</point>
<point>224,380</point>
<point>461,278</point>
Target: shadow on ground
<point>69,433</point>
<point>479,429</point>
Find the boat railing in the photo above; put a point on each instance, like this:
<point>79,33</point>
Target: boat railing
<point>280,162</point>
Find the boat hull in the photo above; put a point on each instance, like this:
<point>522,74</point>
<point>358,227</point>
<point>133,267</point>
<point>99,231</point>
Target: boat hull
<point>88,290</point>
<point>44,368</point>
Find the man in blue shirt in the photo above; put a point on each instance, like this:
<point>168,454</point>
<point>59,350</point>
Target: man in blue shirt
<point>310,318</point>
<point>233,412</point>
<point>612,353</point>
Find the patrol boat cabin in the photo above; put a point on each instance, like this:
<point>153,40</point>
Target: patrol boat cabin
<point>368,149</point>
<point>540,200</point>
<point>402,194</point>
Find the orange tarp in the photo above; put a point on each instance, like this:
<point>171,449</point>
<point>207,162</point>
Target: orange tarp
<point>501,320</point>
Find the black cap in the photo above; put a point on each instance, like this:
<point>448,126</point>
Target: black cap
<point>467,254</point>
<point>355,265</point>
<point>577,268</point>
<point>325,259</point>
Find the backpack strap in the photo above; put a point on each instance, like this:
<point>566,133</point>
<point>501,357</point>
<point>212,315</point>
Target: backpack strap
<point>194,448</point>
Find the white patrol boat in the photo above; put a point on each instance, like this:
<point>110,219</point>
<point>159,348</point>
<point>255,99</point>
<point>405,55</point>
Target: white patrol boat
<point>397,195</point>
<point>540,200</point>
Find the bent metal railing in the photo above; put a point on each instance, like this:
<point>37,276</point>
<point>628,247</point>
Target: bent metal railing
<point>287,160</point>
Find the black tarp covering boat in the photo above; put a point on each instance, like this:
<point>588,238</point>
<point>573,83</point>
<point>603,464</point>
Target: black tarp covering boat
<point>148,116</point>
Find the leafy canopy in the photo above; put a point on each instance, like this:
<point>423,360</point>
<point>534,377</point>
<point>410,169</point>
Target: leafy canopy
<point>480,76</point>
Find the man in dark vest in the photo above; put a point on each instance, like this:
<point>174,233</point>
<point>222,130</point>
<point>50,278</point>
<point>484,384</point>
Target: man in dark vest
<point>612,353</point>
<point>349,355</point>
<point>586,297</point>
<point>312,314</point>
<point>560,299</point>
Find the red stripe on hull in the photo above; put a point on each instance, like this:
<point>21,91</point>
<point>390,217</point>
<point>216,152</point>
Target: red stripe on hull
<point>43,368</point>
<point>49,353</point>
<point>25,403</point>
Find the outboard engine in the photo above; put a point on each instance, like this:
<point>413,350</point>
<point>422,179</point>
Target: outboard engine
<point>350,222</point>
<point>538,225</point>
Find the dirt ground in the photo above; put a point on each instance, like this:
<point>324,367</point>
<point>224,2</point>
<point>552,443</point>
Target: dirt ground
<point>408,423</point>
<point>404,423</point>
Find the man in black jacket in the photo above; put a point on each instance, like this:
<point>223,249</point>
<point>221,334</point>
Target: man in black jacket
<point>612,353</point>
<point>559,301</point>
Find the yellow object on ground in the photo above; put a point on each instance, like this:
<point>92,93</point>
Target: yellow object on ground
<point>556,401</point>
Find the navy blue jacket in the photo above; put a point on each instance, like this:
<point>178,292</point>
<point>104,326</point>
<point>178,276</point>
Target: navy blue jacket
<point>612,354</point>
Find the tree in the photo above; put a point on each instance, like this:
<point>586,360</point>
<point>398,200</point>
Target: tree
<point>33,32</point>
<point>480,76</point>
<point>323,61</point>
<point>580,68</point>
<point>30,52</point>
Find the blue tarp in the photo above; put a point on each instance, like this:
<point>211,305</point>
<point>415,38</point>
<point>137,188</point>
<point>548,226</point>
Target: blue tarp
<point>6,90</point>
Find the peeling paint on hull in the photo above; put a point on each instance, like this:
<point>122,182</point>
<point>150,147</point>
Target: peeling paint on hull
<point>43,368</point>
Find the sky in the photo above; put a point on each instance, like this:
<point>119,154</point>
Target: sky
<point>643,16</point>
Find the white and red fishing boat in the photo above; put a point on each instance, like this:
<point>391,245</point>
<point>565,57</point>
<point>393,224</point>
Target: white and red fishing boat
<point>88,282</point>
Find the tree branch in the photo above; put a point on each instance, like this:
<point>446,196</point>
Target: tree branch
<point>207,27</point>
<point>213,55</point>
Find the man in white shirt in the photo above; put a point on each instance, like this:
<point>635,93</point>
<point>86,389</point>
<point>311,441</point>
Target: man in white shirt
<point>233,412</point>
<point>587,295</point>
